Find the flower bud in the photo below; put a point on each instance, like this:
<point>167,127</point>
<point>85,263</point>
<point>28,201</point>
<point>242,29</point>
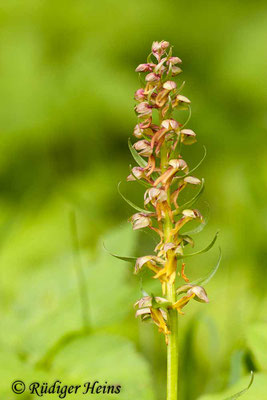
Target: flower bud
<point>164,44</point>
<point>158,48</point>
<point>155,47</point>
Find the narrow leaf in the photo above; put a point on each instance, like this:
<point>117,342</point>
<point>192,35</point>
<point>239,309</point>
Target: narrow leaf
<point>200,162</point>
<point>141,80</point>
<point>205,279</point>
<point>203,250</point>
<point>140,161</point>
<point>178,91</point>
<point>188,118</point>
<point>235,396</point>
<point>169,110</point>
<point>130,202</point>
<point>128,259</point>
<point>149,57</point>
<point>192,201</point>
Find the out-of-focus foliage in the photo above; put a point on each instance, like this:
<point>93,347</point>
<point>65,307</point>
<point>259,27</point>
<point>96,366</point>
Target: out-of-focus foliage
<point>66,111</point>
<point>44,337</point>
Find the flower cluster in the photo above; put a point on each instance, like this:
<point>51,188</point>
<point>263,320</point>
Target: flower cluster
<point>165,174</point>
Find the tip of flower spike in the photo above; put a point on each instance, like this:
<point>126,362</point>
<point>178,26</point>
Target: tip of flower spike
<point>157,46</point>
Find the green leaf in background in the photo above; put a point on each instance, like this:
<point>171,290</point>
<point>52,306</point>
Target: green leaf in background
<point>11,368</point>
<point>256,335</point>
<point>47,304</point>
<point>86,358</point>
<point>257,391</point>
<point>139,160</point>
<point>67,83</point>
<point>107,358</point>
<point>235,396</point>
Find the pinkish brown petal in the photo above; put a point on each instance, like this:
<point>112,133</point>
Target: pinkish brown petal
<point>152,77</point>
<point>170,124</point>
<point>140,95</point>
<point>140,220</point>
<point>169,85</point>
<point>143,108</point>
<point>174,60</point>
<point>183,99</point>
<point>144,147</point>
<point>137,173</point>
<point>145,67</point>
<point>176,70</point>
<point>178,164</point>
<point>155,195</point>
<point>200,293</point>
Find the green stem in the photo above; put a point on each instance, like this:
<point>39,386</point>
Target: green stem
<point>172,349</point>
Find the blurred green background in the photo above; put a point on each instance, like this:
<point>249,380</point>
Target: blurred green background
<point>66,109</point>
